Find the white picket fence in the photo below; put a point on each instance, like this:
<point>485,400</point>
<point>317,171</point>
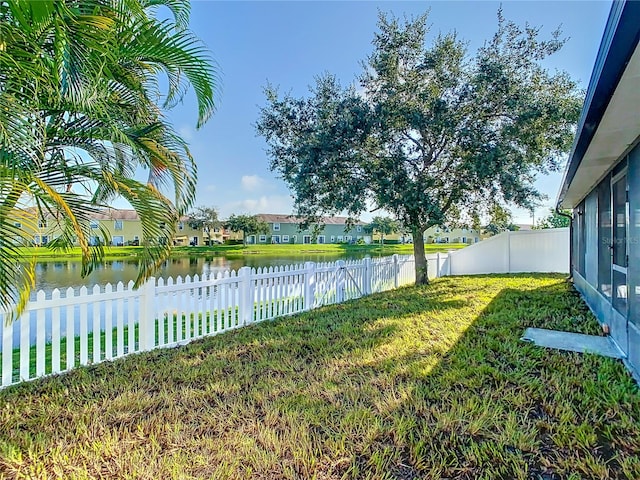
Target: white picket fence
<point>59,332</point>
<point>56,333</point>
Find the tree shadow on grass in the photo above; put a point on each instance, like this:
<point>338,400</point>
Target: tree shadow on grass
<point>428,382</point>
<point>496,407</point>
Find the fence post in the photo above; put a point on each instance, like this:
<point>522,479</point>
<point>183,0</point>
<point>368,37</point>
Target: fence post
<point>449,260</point>
<point>309,285</point>
<point>340,280</point>
<point>7,346</point>
<point>147,316</point>
<point>438,265</point>
<point>508,251</point>
<point>367,276</point>
<point>396,271</point>
<point>246,298</point>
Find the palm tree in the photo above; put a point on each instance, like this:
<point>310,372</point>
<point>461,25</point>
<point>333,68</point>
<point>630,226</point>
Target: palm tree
<point>79,116</point>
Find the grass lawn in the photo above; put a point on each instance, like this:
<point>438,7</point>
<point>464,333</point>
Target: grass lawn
<point>428,382</point>
<point>44,253</point>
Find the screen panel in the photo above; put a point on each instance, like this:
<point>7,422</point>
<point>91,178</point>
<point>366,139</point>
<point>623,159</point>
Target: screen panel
<point>604,237</point>
<point>633,240</point>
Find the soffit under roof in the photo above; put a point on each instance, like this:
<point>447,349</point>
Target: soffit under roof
<point>617,131</point>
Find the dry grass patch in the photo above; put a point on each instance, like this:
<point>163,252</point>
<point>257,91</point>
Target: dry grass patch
<point>427,382</point>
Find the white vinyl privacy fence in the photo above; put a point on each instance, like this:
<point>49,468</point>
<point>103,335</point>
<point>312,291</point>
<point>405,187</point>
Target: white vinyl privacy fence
<point>62,330</point>
<point>514,252</point>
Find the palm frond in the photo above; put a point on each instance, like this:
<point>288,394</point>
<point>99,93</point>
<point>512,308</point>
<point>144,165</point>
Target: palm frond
<point>79,117</point>
<point>160,45</point>
<point>181,10</point>
<point>17,277</point>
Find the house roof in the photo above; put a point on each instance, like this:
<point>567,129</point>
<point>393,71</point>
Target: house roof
<point>279,218</point>
<point>609,123</point>
<point>104,214</point>
<point>115,214</point>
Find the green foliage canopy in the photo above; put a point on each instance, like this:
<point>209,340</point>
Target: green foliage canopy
<point>433,130</point>
<point>500,220</point>
<point>555,220</point>
<point>205,218</point>
<point>247,224</point>
<point>383,226</point>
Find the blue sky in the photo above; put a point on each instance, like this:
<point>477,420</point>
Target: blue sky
<point>288,43</point>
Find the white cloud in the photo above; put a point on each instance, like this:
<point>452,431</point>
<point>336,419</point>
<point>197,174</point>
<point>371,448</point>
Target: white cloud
<point>252,182</point>
<point>265,204</point>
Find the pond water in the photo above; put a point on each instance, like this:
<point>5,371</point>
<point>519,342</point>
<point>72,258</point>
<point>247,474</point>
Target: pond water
<point>65,274</point>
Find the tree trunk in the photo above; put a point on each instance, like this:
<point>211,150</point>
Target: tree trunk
<point>421,259</point>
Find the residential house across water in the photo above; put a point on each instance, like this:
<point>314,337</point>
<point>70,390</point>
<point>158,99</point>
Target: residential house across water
<point>189,233</point>
<point>435,235</point>
<point>451,235</point>
<point>121,227</point>
<point>286,229</point>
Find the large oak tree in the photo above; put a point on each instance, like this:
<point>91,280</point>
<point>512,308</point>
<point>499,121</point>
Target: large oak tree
<point>432,132</point>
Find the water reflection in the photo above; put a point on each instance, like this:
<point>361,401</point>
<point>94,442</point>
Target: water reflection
<point>62,275</point>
